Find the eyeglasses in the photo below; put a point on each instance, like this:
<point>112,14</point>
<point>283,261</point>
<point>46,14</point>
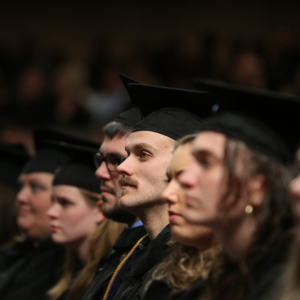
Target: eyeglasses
<point>111,160</point>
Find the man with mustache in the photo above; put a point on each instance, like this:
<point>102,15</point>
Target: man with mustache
<point>167,117</point>
<point>111,154</point>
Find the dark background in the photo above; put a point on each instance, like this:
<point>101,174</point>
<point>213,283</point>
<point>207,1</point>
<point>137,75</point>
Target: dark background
<point>60,60</point>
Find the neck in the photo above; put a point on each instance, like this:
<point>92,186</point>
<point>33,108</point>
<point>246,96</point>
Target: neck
<point>236,237</point>
<point>81,249</point>
<point>154,219</point>
<point>131,223</point>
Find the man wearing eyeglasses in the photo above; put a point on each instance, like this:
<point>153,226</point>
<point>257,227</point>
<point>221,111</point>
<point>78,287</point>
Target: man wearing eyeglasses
<point>111,154</point>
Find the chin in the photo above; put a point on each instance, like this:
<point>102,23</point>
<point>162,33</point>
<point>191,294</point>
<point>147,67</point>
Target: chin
<point>24,225</point>
<point>58,240</point>
<point>124,204</point>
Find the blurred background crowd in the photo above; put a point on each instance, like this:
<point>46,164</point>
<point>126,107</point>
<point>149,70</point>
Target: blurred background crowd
<point>59,62</point>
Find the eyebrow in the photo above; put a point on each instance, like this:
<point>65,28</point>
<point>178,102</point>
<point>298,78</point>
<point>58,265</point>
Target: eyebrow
<point>202,152</point>
<point>31,181</point>
<point>206,153</point>
<point>176,173</point>
<point>111,153</point>
<point>140,146</point>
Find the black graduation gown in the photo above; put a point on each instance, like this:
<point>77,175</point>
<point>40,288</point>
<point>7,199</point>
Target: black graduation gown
<point>269,273</point>
<point>12,253</point>
<point>137,272</point>
<point>158,289</point>
<point>161,290</point>
<point>78,266</point>
<point>109,263</point>
<point>194,293</point>
<point>34,273</point>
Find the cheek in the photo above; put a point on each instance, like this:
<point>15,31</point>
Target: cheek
<point>40,205</point>
<point>77,218</point>
<point>179,230</point>
<point>185,233</point>
<point>116,184</point>
<point>214,192</point>
<point>294,187</point>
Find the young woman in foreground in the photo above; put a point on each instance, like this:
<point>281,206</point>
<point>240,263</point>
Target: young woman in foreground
<point>240,183</point>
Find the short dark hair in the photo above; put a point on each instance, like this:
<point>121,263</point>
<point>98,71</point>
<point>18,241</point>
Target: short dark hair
<point>114,128</point>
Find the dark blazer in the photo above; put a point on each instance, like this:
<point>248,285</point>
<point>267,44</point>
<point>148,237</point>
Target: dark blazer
<point>137,272</point>
<point>109,263</point>
<point>35,271</point>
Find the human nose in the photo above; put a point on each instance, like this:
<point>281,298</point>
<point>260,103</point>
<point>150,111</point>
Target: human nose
<point>170,194</point>
<point>188,178</point>
<point>102,172</point>
<point>53,211</point>
<point>294,187</point>
<point>23,195</point>
<point>125,167</point>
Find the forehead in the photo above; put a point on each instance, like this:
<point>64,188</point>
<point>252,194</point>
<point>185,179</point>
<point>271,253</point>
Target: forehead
<point>182,157</point>
<point>37,176</point>
<point>150,139</point>
<point>209,141</point>
<point>114,145</point>
<point>66,191</point>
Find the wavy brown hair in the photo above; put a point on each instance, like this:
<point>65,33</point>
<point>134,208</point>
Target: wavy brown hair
<point>185,265</point>
<point>101,243</point>
<point>230,280</point>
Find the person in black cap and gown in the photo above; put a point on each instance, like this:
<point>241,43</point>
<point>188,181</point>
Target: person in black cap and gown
<point>37,260</point>
<point>241,178</point>
<point>150,148</point>
<point>12,160</point>
<point>111,154</point>
<point>76,219</point>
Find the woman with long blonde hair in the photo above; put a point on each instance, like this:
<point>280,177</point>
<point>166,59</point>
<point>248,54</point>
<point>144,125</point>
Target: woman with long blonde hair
<point>77,222</point>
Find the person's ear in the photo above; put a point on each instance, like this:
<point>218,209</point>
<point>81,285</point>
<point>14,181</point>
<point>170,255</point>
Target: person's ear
<point>99,217</point>
<point>257,188</point>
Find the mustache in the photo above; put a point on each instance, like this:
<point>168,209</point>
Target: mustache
<point>127,180</point>
<point>111,190</point>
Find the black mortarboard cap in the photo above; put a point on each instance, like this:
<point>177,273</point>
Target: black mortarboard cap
<point>126,81</point>
<point>129,117</point>
<point>169,111</point>
<point>132,115</point>
<point>79,169</point>
<point>47,157</point>
<point>12,160</point>
<point>44,160</point>
<point>264,120</point>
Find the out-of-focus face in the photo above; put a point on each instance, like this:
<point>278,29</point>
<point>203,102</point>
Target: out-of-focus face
<point>72,219</point>
<point>294,188</point>
<point>204,179</point>
<point>144,171</point>
<point>185,233</point>
<point>33,202</point>
<point>110,187</point>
